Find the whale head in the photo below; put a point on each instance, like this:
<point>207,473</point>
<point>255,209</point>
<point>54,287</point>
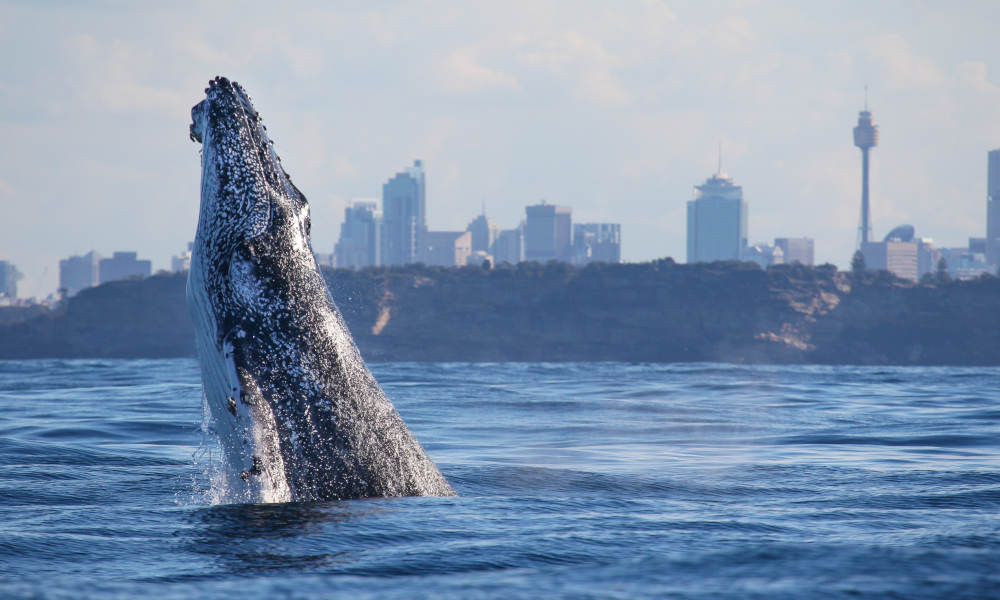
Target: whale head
<point>245,190</point>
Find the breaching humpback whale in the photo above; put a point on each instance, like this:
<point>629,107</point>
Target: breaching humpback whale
<point>298,414</point>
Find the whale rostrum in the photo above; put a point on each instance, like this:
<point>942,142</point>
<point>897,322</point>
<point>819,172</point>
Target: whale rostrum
<point>298,414</point>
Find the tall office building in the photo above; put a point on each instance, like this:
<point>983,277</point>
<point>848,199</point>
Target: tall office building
<point>597,242</point>
<point>796,250</point>
<point>123,265</point>
<point>359,243</point>
<point>993,207</point>
<point>716,220</point>
<point>79,272</point>
<point>484,232</point>
<point>8,280</point>
<point>404,218</point>
<point>548,233</point>
<point>865,138</point>
<point>509,246</point>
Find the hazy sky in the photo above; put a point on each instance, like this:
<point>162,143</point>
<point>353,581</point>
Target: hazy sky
<point>613,108</point>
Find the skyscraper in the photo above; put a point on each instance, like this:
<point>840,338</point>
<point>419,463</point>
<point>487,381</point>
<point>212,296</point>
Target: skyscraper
<point>359,243</point>
<point>865,138</point>
<point>509,246</point>
<point>484,232</point>
<point>547,233</point>
<point>993,207</point>
<point>404,219</point>
<point>716,220</point>
<point>8,280</point>
<point>79,272</point>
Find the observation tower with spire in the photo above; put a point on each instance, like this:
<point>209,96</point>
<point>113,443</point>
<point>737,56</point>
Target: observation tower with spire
<point>865,138</point>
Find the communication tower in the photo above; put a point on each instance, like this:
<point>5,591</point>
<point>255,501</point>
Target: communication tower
<point>865,137</point>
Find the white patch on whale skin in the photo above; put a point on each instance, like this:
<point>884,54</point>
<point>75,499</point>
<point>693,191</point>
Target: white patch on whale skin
<point>251,431</point>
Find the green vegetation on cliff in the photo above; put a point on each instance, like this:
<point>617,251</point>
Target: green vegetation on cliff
<point>656,311</point>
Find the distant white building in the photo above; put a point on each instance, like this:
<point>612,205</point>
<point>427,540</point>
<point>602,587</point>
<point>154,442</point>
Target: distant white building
<point>182,262</point>
<point>763,254</point>
<point>902,254</point>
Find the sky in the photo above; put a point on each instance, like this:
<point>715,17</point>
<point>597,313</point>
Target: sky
<point>616,109</point>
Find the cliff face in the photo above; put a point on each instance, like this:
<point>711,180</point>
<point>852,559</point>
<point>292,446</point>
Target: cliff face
<point>139,318</point>
<point>658,311</point>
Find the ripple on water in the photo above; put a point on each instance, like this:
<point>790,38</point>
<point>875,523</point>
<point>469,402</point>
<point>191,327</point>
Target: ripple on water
<point>575,480</point>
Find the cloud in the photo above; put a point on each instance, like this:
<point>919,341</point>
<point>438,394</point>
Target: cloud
<point>202,52</point>
<point>111,76</point>
<point>581,61</point>
<point>461,71</point>
<point>903,67</point>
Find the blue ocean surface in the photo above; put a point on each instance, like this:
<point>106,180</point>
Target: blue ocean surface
<point>602,480</point>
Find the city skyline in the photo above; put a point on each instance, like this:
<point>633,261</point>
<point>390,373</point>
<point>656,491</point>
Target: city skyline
<point>506,106</point>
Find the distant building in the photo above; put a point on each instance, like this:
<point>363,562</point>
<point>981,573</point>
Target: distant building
<point>79,272</point>
<point>716,221</point>
<point>763,254</point>
<point>325,259</point>
<point>993,207</point>
<point>360,236</point>
<point>966,263</point>
<point>479,258</point>
<point>484,232</point>
<point>796,250</point>
<point>447,248</point>
<point>902,254</point>
<point>927,257</point>
<point>404,218</point>
<point>123,265</point>
<point>597,242</point>
<point>548,233</point>
<point>509,246</point>
<point>182,262</point>
<point>901,259</point>
<point>8,280</point>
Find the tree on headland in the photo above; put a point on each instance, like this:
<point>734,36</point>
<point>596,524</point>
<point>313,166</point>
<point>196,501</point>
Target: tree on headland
<point>858,262</point>
<point>941,273</point>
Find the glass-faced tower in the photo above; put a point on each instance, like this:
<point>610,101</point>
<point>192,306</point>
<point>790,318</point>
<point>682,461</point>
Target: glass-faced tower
<point>716,220</point>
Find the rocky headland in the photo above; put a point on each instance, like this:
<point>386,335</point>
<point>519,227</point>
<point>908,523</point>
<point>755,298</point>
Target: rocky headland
<point>658,311</point>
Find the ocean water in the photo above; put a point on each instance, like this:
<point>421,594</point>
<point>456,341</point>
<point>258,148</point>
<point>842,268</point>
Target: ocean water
<point>601,480</point>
